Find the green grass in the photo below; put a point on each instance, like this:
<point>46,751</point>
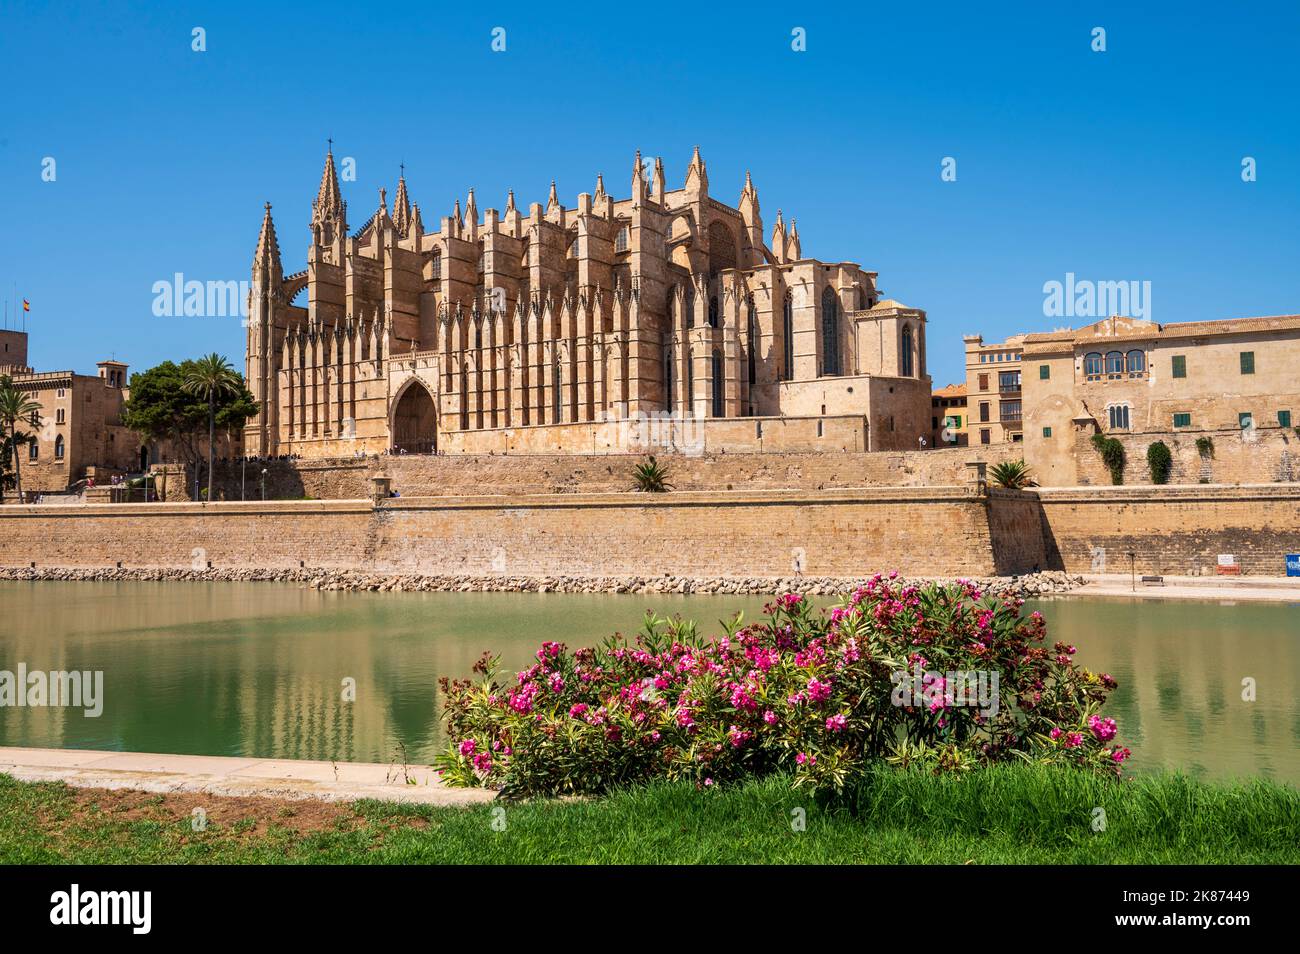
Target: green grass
<point>1011,814</point>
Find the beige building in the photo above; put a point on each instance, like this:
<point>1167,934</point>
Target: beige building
<point>993,396</point>
<point>80,433</point>
<point>1232,381</point>
<point>948,417</point>
<point>533,329</point>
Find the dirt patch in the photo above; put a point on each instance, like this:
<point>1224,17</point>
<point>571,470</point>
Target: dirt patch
<point>237,813</point>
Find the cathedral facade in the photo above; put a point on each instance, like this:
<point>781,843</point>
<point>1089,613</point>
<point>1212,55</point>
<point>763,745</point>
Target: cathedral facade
<point>543,331</point>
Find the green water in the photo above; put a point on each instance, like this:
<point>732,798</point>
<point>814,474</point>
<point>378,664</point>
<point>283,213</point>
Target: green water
<point>258,669</point>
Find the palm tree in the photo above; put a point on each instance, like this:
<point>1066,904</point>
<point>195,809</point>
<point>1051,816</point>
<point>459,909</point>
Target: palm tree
<point>211,377</point>
<point>15,406</point>
<point>1013,474</point>
<point>651,477</point>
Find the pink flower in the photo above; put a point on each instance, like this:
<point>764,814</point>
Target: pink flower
<point>818,691</point>
<point>483,762</point>
<point>836,723</point>
<point>769,717</point>
<point>468,746</point>
<point>577,709</point>
<point>1103,729</point>
<point>1073,740</point>
<point>805,759</point>
<point>1119,755</point>
<point>1056,733</point>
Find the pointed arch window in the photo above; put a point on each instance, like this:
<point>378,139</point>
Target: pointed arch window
<point>907,364</point>
<point>713,311</point>
<point>830,332</point>
<point>751,346</point>
<point>718,409</point>
<point>555,390</point>
<point>437,265</point>
<point>690,306</point>
<point>669,400</point>
<point>787,337</point>
<point>58,447</point>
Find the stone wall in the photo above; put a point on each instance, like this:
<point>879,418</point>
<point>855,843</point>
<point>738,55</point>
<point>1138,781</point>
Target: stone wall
<point>1266,454</point>
<point>755,533</point>
<point>1170,530</point>
<point>452,475</point>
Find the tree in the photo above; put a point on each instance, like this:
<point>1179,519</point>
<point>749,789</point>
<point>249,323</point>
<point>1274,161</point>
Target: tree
<point>651,477</point>
<point>162,409</point>
<point>1013,474</point>
<point>17,406</point>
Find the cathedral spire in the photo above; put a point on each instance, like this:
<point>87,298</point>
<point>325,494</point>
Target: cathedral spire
<point>401,205</point>
<point>267,256</point>
<point>657,190</point>
<point>552,200</point>
<point>510,201</point>
<point>329,200</point>
<point>600,186</point>
<point>697,175</point>
<point>471,211</point>
<point>638,180</point>
<point>778,238</point>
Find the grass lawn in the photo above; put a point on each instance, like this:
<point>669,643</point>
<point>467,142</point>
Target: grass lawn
<point>1010,814</point>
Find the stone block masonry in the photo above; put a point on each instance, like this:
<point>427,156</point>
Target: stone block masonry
<point>845,533</point>
<point>1171,530</point>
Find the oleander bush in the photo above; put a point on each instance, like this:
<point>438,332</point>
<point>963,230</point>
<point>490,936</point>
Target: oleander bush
<point>941,677</point>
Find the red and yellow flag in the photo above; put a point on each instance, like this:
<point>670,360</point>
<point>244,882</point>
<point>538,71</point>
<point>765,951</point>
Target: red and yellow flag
<point>27,305</point>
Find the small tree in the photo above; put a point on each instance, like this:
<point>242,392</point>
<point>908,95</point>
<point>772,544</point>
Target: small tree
<point>1012,474</point>
<point>1112,455</point>
<point>651,477</point>
<point>16,407</point>
<point>1205,446</point>
<point>1160,462</point>
<point>161,409</point>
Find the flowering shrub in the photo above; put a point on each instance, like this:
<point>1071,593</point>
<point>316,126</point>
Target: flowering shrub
<point>890,673</point>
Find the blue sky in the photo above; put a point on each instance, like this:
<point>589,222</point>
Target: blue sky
<point>1122,165</point>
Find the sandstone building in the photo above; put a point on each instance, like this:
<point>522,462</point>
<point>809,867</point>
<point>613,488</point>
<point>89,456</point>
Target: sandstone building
<point>948,417</point>
<point>1234,382</point>
<point>993,396</point>
<point>538,329</point>
<point>80,433</point>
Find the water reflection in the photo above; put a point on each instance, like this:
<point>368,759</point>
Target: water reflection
<point>258,670</point>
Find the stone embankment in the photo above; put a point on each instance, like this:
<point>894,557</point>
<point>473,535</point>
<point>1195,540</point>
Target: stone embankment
<point>1028,586</point>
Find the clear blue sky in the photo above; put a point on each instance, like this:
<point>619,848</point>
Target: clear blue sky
<point>1123,165</point>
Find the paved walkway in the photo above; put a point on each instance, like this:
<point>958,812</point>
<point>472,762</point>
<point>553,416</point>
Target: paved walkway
<point>214,775</point>
<point>1277,588</point>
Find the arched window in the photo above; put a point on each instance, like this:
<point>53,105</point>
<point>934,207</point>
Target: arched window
<point>668,307</point>
<point>555,390</point>
<point>830,332</point>
<point>33,451</point>
<point>1092,365</point>
<point>690,304</point>
<point>437,264</point>
<point>620,243</point>
<point>787,337</point>
<point>751,349</point>
<point>907,351</point>
<point>690,383</point>
<point>713,311</point>
<point>717,383</point>
<point>58,447</point>
<point>1114,363</point>
<point>669,400</point>
<point>1136,361</point>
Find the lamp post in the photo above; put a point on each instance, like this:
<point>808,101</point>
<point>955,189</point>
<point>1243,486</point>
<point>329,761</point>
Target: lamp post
<point>263,485</point>
<point>243,466</point>
<point>1132,569</point>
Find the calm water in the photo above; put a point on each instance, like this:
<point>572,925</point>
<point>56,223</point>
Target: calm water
<point>257,669</point>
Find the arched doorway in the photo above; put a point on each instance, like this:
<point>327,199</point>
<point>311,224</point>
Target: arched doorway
<point>415,421</point>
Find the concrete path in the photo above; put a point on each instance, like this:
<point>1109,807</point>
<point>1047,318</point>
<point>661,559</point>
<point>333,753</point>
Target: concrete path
<point>1221,588</point>
<point>268,778</point>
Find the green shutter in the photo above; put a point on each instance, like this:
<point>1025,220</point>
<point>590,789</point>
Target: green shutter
<point>1044,372</point>
<point>1047,432</point>
<point>1182,420</point>
<point>1180,366</point>
<point>1283,418</point>
<point>1248,362</point>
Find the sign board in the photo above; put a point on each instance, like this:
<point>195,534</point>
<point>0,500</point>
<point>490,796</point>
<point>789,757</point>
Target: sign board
<point>1293,564</point>
<point>1226,559</point>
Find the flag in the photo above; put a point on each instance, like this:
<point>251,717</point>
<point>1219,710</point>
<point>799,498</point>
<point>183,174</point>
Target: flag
<point>27,305</point>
